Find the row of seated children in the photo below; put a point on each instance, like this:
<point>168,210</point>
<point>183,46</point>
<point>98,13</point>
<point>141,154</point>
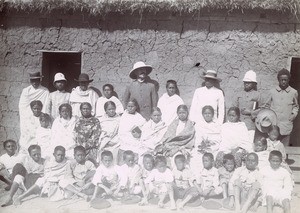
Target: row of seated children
<point>61,178</point>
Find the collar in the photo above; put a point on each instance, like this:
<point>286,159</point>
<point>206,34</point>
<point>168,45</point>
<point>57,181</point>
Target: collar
<point>288,89</point>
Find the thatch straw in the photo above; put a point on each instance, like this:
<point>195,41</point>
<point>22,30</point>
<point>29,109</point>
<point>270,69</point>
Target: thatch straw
<point>186,6</point>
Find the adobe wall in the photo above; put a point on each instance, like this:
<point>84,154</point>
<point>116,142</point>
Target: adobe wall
<point>230,43</point>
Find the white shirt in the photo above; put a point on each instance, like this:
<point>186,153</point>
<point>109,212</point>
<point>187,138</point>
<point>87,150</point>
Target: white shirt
<point>204,96</point>
<point>10,161</point>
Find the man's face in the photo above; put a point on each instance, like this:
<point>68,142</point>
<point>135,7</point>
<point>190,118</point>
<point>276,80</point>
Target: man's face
<point>283,81</point>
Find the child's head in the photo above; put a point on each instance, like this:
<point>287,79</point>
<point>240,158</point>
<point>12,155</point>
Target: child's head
<point>108,90</point>
<point>283,77</point>
<point>110,108</point>
<point>172,88</point>
<point>65,111</point>
<point>208,113</point>
<point>180,162</point>
<point>228,162</point>
<point>182,112</point>
<point>156,114</point>
<point>79,154</point>
<point>208,160</point>
<point>251,161</point>
<point>260,144</point>
<point>35,152</point>
<point>128,157</point>
<point>161,163</point>
<point>132,106</point>
<point>10,147</point>
<point>107,158</point>
<point>59,154</point>
<point>86,109</point>
<point>148,162</point>
<point>45,120</point>
<point>59,81</point>
<point>36,107</point>
<point>233,114</point>
<point>274,133</point>
<point>275,159</point>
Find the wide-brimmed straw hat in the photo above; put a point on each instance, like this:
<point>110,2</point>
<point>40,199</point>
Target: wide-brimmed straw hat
<point>138,65</point>
<point>250,76</point>
<point>211,74</point>
<point>265,118</point>
<point>59,77</point>
<point>83,77</point>
<point>35,75</point>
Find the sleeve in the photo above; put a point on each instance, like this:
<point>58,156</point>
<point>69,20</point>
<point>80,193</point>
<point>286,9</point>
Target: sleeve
<point>154,96</point>
<point>119,106</point>
<point>169,176</point>
<point>126,97</point>
<point>295,108</point>
<point>97,177</point>
<point>235,176</point>
<point>49,105</point>
<point>90,166</point>
<point>268,100</point>
<point>216,182</point>
<point>69,171</point>
<point>287,183</point>
<point>221,108</point>
<point>123,176</point>
<point>97,131</point>
<point>193,109</point>
<point>94,98</point>
<point>150,177</point>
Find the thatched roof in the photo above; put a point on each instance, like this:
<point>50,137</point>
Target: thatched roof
<point>181,6</point>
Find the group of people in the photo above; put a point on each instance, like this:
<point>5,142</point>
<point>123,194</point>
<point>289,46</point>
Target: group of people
<point>145,147</point>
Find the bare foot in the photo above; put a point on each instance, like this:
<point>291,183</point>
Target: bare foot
<point>160,204</point>
<point>17,201</point>
<point>173,206</point>
<point>8,202</point>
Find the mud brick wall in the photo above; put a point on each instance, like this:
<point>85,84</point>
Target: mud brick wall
<point>231,43</point>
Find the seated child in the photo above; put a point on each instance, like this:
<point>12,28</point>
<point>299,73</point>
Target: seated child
<point>277,184</point>
<point>225,174</point>
<point>273,143</point>
<point>8,161</point>
<point>260,148</point>
<point>160,182</point>
<point>128,136</point>
<point>245,183</point>
<point>43,135</point>
<point>208,184</point>
<point>55,170</point>
<point>184,188</point>
<point>130,174</point>
<point>235,138</point>
<point>148,165</point>
<point>107,177</point>
<point>208,138</point>
<point>79,174</point>
<point>26,173</point>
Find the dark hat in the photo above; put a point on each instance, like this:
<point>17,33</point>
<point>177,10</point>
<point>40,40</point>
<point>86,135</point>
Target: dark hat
<point>83,77</point>
<point>211,74</point>
<point>138,65</point>
<point>35,75</point>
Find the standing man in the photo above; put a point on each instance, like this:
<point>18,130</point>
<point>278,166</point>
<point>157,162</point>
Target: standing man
<point>283,100</point>
<point>141,89</point>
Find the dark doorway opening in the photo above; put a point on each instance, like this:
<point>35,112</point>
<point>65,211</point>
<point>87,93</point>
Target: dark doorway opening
<point>295,83</point>
<point>68,63</point>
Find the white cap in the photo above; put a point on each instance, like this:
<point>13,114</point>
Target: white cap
<point>59,77</point>
<point>250,76</point>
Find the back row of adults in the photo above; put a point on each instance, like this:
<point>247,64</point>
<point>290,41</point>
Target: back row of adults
<point>282,98</point>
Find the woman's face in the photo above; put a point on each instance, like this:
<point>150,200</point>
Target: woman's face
<point>182,114</point>
<point>156,116</point>
<point>65,113</point>
<point>208,115</point>
<point>131,107</point>
<point>232,116</point>
<point>86,111</point>
<point>171,89</point>
<point>107,92</point>
<point>36,110</point>
<point>83,85</point>
<point>110,111</point>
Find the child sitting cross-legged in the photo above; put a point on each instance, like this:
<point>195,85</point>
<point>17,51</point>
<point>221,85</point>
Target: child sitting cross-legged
<point>184,188</point>
<point>148,165</point>
<point>26,173</point>
<point>277,184</point>
<point>55,169</point>
<point>79,174</point>
<point>160,182</point>
<point>245,183</point>
<point>208,183</point>
<point>107,177</point>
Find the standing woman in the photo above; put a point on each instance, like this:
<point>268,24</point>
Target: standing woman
<point>87,132</point>
<point>83,93</point>
<point>210,94</point>
<point>169,102</point>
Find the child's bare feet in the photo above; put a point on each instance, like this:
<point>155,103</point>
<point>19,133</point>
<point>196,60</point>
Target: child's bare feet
<point>173,206</point>
<point>8,202</point>
<point>17,201</point>
<point>143,202</point>
<point>161,204</point>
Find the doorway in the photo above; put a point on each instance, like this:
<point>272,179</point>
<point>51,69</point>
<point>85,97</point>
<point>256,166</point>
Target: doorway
<point>68,63</point>
<point>295,83</point>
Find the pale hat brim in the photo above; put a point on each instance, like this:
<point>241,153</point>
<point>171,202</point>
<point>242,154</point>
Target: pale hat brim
<point>132,73</point>
<point>265,118</point>
<point>211,77</point>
